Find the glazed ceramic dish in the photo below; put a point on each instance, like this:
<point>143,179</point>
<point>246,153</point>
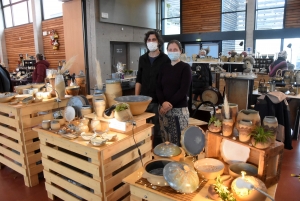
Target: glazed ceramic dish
<point>168,150</point>
<point>192,140</point>
<point>154,171</point>
<point>6,97</point>
<point>137,103</point>
<point>181,177</point>
<point>233,152</point>
<point>236,169</point>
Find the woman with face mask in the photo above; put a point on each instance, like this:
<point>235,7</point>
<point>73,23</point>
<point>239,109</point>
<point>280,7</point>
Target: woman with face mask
<point>173,84</point>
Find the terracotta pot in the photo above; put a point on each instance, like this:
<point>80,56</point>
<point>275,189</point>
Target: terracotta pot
<point>72,90</point>
<point>227,127</point>
<point>214,128</point>
<point>259,145</point>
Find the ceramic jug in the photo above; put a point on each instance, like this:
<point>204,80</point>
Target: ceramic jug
<point>251,115</point>
<point>270,123</point>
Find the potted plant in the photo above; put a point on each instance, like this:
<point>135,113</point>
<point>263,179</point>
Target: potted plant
<point>122,112</point>
<point>219,191</point>
<point>214,124</point>
<point>261,138</point>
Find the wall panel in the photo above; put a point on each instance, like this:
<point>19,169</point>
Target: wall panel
<point>201,16</point>
<point>53,56</point>
<point>292,17</point>
<point>19,40</point>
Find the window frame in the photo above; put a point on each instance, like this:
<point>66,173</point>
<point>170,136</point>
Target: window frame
<point>11,10</point>
<point>43,14</point>
<point>167,18</point>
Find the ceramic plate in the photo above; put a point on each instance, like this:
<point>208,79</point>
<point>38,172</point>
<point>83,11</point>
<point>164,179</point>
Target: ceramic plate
<point>193,140</point>
<point>233,152</point>
<point>69,113</point>
<point>211,94</point>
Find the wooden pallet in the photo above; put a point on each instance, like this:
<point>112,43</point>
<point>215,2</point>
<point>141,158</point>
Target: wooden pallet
<point>267,160</point>
<point>19,144</point>
<point>74,169</point>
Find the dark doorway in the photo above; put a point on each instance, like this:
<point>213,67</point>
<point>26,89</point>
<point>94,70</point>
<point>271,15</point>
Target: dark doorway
<point>118,54</point>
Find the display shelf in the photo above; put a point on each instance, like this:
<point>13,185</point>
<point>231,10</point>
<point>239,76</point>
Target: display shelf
<point>76,170</point>
<point>267,160</point>
<point>19,144</point>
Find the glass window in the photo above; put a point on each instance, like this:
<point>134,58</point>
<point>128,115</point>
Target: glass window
<point>233,15</point>
<point>7,17</point>
<point>229,45</point>
<point>171,17</point>
<point>292,47</point>
<point>16,12</point>
<point>52,9</point>
<point>265,47</point>
<point>269,14</point>
<point>20,13</point>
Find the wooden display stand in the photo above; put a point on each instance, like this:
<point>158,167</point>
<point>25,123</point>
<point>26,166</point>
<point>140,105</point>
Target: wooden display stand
<point>74,169</point>
<point>19,144</point>
<point>268,160</point>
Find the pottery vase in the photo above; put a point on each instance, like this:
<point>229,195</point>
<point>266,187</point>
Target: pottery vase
<point>270,123</point>
<point>99,94</point>
<point>60,86</point>
<point>112,91</point>
<point>95,124</point>
<point>245,129</point>
<point>227,127</point>
<point>260,145</point>
<point>99,105</point>
<point>251,115</point>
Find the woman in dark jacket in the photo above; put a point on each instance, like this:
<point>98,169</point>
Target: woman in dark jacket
<point>280,63</point>
<point>39,73</point>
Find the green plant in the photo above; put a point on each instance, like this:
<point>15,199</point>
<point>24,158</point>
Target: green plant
<point>223,191</point>
<point>215,121</point>
<point>260,135</point>
<point>120,107</point>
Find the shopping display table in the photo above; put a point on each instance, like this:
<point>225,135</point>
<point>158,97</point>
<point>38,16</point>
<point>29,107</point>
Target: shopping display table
<point>141,190</point>
<point>76,170</point>
<point>19,144</point>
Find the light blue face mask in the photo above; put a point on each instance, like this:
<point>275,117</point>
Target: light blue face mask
<point>174,56</point>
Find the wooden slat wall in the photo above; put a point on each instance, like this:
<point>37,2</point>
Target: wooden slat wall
<point>53,56</point>
<point>19,40</point>
<point>201,16</point>
<point>292,17</point>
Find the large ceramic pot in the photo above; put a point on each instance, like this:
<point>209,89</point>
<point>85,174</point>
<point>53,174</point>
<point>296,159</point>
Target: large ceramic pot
<point>168,150</point>
<point>154,171</point>
<point>251,115</point>
<point>113,90</point>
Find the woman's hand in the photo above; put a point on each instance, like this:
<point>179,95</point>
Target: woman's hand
<point>166,106</point>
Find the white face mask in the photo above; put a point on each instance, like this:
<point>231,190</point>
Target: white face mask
<point>152,46</point>
<point>174,56</point>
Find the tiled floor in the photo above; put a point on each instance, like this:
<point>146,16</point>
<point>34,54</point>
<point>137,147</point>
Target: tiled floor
<point>12,186</point>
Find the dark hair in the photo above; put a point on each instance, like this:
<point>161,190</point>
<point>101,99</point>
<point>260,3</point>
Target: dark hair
<point>157,35</point>
<point>176,42</point>
<point>39,56</point>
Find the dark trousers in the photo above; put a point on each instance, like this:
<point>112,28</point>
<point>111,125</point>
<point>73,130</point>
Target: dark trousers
<point>157,139</point>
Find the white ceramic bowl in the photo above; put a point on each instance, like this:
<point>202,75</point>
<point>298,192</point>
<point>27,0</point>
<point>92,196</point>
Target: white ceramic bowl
<point>209,168</point>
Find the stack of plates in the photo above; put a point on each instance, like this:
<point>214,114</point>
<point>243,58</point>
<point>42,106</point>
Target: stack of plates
<point>77,102</point>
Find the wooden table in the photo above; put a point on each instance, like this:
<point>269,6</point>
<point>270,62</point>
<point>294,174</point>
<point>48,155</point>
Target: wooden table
<point>141,193</point>
<point>75,169</point>
<point>19,144</point>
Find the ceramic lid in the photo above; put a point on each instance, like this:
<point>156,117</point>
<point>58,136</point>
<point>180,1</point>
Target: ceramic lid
<point>181,177</point>
<point>167,149</point>
<point>192,140</point>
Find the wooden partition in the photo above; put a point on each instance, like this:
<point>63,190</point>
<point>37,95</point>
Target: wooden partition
<point>53,56</point>
<point>19,40</point>
<point>201,16</point>
<point>292,17</point>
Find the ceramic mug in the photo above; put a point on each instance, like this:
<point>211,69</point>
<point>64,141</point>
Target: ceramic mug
<point>46,124</point>
<point>55,125</point>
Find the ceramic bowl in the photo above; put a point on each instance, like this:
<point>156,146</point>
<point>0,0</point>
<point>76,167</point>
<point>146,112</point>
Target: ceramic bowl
<point>86,136</point>
<point>154,171</point>
<point>236,168</point>
<point>137,103</point>
<point>6,97</point>
<point>168,150</point>
<point>209,168</point>
<point>72,90</point>
<point>98,142</point>
<point>23,96</point>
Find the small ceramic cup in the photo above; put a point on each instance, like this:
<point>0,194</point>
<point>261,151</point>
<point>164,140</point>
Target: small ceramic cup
<point>46,124</point>
<point>55,125</point>
<point>25,91</point>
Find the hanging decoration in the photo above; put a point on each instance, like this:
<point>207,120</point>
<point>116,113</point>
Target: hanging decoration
<point>54,39</point>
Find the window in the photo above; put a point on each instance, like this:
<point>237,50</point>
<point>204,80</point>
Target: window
<point>16,12</point>
<point>51,9</point>
<point>293,51</point>
<point>233,15</point>
<point>266,47</point>
<point>229,45</point>
<point>170,17</point>
<point>269,14</point>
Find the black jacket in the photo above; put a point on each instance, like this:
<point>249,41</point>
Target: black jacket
<point>281,111</point>
<point>147,74</point>
<point>5,82</point>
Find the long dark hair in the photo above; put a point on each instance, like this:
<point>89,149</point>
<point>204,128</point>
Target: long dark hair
<point>157,35</point>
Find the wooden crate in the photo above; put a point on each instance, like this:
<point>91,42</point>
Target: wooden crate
<point>19,144</point>
<point>75,168</point>
<point>268,160</point>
